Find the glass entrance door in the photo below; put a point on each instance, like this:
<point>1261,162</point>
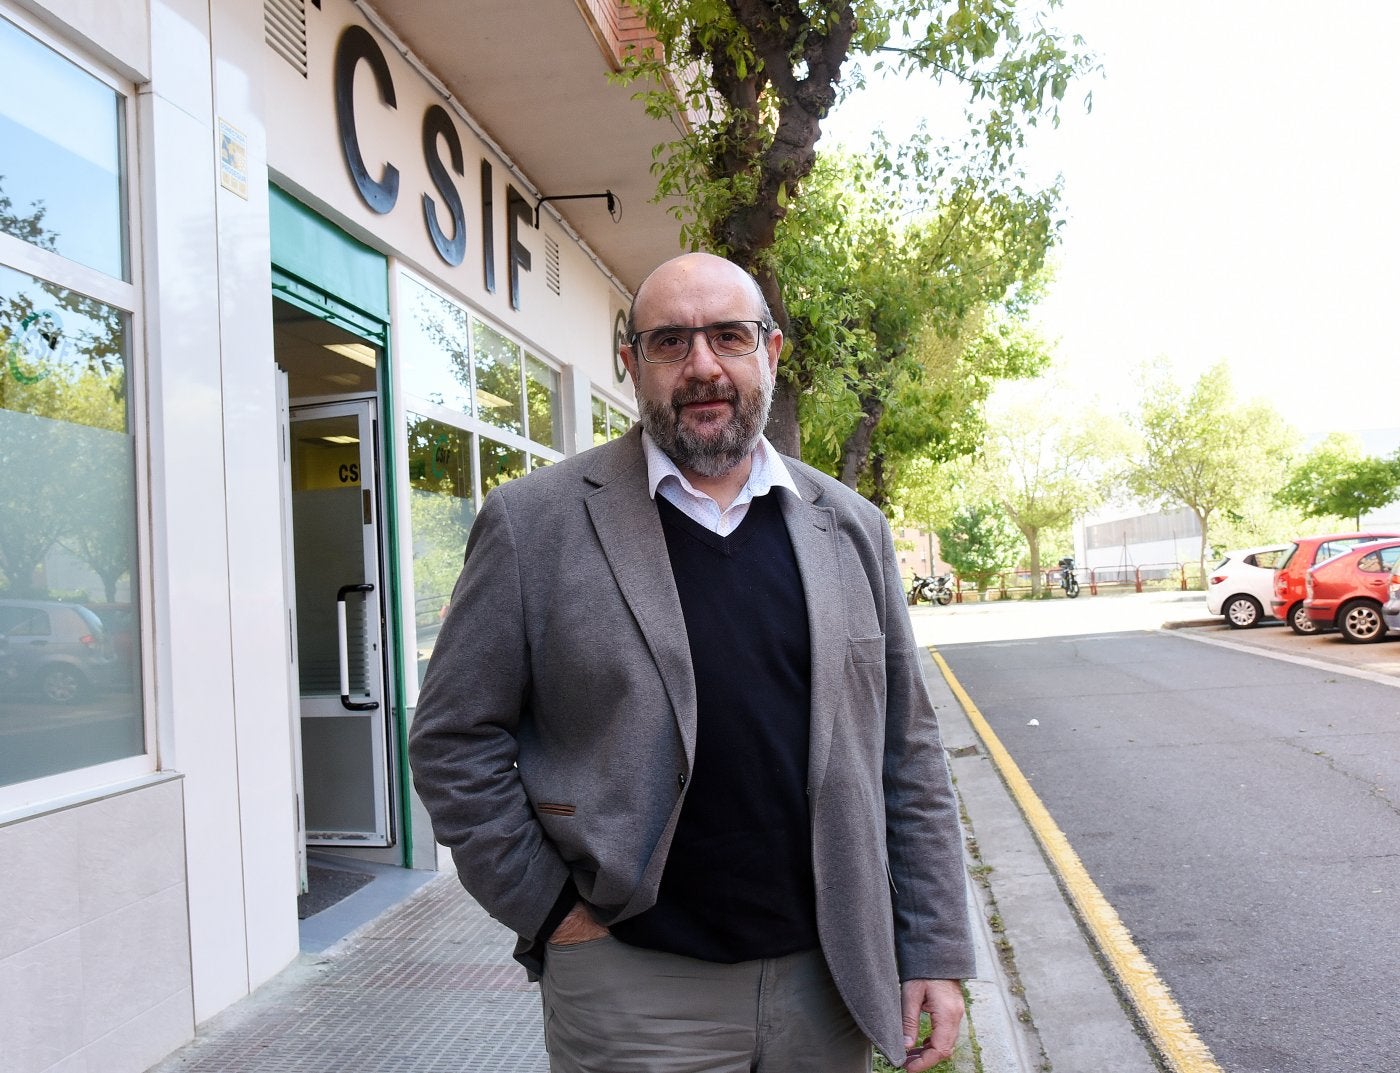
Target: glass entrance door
<point>340,624</point>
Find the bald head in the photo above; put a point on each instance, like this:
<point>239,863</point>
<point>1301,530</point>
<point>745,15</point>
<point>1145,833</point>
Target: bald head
<point>705,409</point>
<point>695,279</point>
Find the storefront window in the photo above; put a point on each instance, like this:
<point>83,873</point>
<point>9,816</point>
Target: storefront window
<point>433,351</point>
<point>441,509</point>
<point>600,421</point>
<point>542,409</point>
<point>497,362</point>
<point>463,381</point>
<point>453,359</point>
<point>608,421</point>
<point>618,422</point>
<point>69,648</point>
<point>60,156</point>
<point>499,463</point>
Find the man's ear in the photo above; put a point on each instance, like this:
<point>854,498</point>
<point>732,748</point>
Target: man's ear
<point>629,359</point>
<point>775,349</point>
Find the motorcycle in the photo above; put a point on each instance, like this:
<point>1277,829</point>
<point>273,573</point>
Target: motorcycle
<point>937,589</point>
<point>1068,581</point>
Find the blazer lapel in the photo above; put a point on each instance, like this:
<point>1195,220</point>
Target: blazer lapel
<point>812,529</point>
<point>630,532</point>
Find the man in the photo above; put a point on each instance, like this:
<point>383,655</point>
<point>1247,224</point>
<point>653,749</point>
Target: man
<point>675,734</point>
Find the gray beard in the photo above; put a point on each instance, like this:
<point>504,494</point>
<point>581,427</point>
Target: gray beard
<point>709,455</point>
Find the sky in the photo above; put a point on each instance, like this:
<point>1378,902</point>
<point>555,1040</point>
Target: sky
<point>1234,193</point>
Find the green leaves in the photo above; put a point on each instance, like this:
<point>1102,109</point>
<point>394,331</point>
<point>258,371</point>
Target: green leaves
<point>979,543</point>
<point>1336,480</point>
<point>884,272</point>
<point>1205,450</point>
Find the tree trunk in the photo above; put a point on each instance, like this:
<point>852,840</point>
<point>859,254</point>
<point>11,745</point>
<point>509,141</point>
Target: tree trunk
<point>855,452</point>
<point>1204,517</point>
<point>801,61</point>
<point>783,431</point>
<point>879,493</point>
<point>1033,543</point>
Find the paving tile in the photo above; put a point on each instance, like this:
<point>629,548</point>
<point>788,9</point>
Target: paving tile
<point>430,987</point>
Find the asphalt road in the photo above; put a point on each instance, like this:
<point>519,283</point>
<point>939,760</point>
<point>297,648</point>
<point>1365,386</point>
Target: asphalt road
<point>1241,811</point>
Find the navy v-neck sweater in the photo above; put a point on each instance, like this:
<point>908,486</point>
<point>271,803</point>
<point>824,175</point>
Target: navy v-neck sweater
<point>738,880</point>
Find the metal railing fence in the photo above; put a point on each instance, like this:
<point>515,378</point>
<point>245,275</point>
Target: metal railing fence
<point>1094,581</point>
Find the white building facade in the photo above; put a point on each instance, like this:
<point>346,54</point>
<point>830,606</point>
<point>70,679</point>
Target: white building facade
<point>1116,543</point>
<point>285,289</point>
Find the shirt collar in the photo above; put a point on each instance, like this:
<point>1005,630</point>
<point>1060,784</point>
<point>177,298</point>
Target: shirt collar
<point>768,471</point>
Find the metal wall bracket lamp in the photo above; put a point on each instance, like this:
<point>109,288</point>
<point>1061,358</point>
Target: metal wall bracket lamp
<point>614,204</point>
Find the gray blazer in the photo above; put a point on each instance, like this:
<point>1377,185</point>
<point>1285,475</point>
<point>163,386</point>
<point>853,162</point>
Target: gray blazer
<point>556,726</point>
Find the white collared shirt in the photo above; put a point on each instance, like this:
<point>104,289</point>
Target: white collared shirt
<point>663,476</point>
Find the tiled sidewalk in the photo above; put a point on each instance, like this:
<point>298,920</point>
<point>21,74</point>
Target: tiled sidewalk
<point>429,987</point>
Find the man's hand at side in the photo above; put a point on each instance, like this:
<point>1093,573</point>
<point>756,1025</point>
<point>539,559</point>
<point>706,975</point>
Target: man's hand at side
<point>579,927</point>
<point>942,1000</point>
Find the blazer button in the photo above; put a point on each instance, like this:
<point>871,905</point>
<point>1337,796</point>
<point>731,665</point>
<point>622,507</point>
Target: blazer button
<point>680,780</point>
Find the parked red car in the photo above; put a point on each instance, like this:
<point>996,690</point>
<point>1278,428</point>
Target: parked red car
<point>1350,590</point>
<point>1291,581</point>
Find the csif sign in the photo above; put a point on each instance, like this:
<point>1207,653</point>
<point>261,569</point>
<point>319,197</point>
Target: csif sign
<point>357,54</point>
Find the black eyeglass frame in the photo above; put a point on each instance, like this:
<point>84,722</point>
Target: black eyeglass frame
<point>764,327</point>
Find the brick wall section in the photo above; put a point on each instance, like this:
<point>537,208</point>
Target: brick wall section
<point>617,28</point>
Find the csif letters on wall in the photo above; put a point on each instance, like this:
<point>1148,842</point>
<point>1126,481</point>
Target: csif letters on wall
<point>357,46</point>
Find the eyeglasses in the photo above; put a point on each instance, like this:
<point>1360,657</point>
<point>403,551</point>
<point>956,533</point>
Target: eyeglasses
<point>727,339</point>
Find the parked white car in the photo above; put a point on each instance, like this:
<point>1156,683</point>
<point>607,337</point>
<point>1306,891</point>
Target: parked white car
<point>1241,585</point>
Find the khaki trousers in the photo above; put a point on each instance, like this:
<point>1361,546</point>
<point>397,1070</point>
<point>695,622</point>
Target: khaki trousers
<point>614,1008</point>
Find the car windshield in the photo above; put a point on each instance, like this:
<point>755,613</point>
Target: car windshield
<point>1287,556</point>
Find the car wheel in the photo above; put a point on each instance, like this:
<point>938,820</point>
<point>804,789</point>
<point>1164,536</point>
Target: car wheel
<point>1242,612</point>
<point>1298,619</point>
<point>61,684</point>
<point>1360,622</point>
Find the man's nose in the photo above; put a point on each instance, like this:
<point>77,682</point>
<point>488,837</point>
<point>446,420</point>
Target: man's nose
<point>702,363</point>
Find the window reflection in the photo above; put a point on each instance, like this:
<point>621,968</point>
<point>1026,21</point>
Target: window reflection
<point>600,421</point>
<point>60,155</point>
<point>608,421</point>
<point>542,408</point>
<point>441,510</point>
<point>453,359</point>
<point>497,378</point>
<point>68,633</point>
<point>499,464</point>
<point>618,422</point>
<point>433,351</point>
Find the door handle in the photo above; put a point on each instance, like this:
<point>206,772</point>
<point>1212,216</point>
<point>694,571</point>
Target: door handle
<point>343,635</point>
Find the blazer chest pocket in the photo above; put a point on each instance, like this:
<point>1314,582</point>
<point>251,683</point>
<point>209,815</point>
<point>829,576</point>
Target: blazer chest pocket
<point>867,649</point>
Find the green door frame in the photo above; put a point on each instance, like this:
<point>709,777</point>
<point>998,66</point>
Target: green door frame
<point>319,268</point>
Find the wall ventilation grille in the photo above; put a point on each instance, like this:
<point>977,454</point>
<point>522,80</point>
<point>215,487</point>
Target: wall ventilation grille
<point>551,263</point>
<point>284,28</point>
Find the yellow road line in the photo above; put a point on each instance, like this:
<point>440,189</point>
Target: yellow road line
<point>1167,1025</point>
